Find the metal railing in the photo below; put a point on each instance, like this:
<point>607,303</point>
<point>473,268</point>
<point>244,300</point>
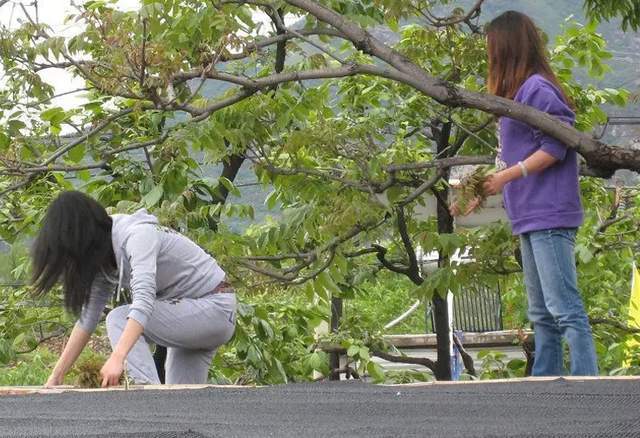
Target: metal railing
<point>476,310</point>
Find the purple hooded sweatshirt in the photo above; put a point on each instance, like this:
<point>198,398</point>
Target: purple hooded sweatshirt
<point>551,198</point>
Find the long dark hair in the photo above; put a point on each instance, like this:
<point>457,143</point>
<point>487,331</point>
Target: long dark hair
<point>516,51</point>
<point>73,245</point>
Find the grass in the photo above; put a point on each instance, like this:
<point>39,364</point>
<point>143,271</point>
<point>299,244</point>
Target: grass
<point>29,370</point>
<point>33,369</point>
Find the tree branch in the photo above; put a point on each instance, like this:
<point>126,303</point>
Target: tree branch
<point>474,12</point>
<point>143,54</point>
<point>423,188</point>
<point>290,275</point>
<point>381,252</point>
<point>61,168</point>
<point>413,271</point>
<point>139,145</point>
<point>99,127</point>
<point>466,357</point>
<point>615,324</point>
<point>609,222</point>
<point>424,361</point>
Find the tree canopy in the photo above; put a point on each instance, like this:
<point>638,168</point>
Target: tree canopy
<point>352,118</point>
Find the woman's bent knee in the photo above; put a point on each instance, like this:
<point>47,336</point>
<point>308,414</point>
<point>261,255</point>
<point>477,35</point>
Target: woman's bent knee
<point>117,318</point>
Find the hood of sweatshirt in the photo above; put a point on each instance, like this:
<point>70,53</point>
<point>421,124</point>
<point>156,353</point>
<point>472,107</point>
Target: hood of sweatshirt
<point>123,226</point>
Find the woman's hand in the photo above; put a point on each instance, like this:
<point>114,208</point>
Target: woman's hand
<point>455,211</point>
<point>112,370</point>
<point>54,379</point>
<point>494,183</point>
<point>114,366</point>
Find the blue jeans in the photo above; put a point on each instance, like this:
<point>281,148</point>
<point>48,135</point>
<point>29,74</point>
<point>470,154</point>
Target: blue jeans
<point>555,305</point>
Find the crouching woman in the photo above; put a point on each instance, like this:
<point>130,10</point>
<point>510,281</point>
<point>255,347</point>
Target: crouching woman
<point>179,297</point>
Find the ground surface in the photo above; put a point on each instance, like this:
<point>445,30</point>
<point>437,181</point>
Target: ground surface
<point>555,408</point>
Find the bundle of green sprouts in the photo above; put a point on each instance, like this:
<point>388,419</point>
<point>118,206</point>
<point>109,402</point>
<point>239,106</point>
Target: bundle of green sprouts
<point>470,192</point>
<point>88,373</point>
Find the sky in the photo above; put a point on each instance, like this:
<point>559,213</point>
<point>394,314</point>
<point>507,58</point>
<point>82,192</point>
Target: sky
<point>53,12</point>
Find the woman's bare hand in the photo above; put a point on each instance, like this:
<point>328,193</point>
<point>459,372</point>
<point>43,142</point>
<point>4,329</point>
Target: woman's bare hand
<point>54,380</point>
<point>494,183</point>
<point>112,370</point>
<point>455,211</point>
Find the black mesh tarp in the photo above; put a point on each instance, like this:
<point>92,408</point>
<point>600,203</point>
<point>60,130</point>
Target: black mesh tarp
<point>557,408</point>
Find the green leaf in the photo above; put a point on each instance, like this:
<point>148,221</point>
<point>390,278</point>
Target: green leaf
<point>318,361</point>
<point>245,310</point>
<point>15,126</point>
<point>5,141</point>
<point>394,193</point>
<point>328,284</point>
<point>392,22</point>
<point>281,370</point>
<point>7,353</point>
<point>353,350</point>
<point>84,175</point>
<point>376,372</point>
<point>271,200</point>
<point>229,186</point>
<point>266,329</point>
<point>53,115</point>
<point>154,196</point>
<point>76,154</point>
<point>516,364</point>
<point>584,254</point>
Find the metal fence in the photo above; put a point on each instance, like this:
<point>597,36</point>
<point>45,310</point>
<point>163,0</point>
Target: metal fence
<point>477,310</point>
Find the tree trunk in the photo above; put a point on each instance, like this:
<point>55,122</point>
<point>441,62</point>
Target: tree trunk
<point>334,357</point>
<point>440,316</point>
<point>440,308</point>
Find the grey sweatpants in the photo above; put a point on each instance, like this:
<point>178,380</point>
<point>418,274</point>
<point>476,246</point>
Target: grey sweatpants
<point>191,329</point>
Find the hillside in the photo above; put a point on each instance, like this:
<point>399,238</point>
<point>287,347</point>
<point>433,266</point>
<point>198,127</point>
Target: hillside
<point>550,15</point>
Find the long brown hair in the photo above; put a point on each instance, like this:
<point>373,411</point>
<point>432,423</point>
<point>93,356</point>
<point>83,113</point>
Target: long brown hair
<point>516,51</point>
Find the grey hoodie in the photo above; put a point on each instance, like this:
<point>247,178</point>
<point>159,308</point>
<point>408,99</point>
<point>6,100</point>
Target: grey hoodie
<point>155,263</point>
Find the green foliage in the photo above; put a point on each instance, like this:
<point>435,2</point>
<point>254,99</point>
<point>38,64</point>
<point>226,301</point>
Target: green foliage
<point>380,300</point>
<point>494,366</point>
<point>25,322</point>
<point>583,47</point>
<point>628,10</point>
<point>407,376</point>
<point>33,369</point>
<point>272,342</point>
<point>328,151</point>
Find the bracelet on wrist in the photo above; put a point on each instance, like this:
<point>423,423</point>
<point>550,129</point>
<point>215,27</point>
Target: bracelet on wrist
<point>523,168</point>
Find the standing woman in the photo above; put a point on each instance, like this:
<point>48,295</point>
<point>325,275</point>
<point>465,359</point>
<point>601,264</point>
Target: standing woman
<point>539,178</point>
<point>179,297</point>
